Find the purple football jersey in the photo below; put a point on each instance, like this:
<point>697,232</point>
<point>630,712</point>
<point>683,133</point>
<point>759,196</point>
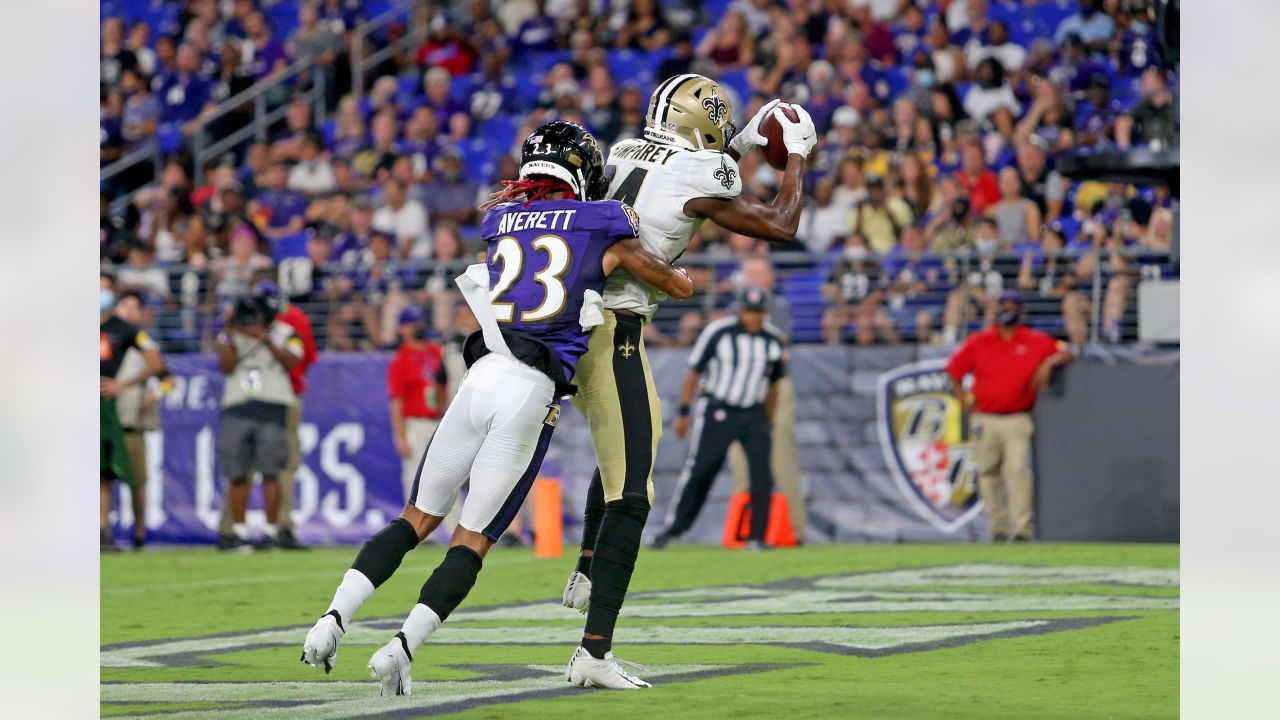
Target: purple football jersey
<point>543,257</point>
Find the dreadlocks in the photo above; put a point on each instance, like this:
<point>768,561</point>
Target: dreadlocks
<point>534,188</point>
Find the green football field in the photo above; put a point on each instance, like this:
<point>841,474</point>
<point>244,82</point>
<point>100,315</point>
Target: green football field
<point>853,631</point>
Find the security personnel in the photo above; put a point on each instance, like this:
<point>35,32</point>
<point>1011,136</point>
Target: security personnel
<point>742,358</point>
<point>115,338</point>
<point>1010,363</point>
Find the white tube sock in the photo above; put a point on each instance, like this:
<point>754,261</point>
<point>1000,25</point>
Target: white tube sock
<point>354,592</point>
<point>422,622</point>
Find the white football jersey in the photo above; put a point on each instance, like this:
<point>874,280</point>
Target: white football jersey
<point>657,180</point>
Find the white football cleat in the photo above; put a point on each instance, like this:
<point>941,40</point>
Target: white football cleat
<point>586,671</point>
<point>320,649</point>
<point>577,592</point>
<point>390,665</point>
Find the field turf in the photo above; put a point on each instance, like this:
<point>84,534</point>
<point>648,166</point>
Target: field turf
<point>853,631</point>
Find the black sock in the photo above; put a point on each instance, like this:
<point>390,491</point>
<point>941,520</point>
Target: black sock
<point>597,647</point>
<point>613,562</point>
<point>381,554</point>
<point>452,580</point>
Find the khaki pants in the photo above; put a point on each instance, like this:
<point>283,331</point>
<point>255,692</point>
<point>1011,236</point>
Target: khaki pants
<point>1003,455</point>
<point>418,433</point>
<point>785,459</point>
<point>284,520</point>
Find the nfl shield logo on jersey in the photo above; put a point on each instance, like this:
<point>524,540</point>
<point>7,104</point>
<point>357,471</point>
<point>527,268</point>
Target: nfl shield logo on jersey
<point>927,443</point>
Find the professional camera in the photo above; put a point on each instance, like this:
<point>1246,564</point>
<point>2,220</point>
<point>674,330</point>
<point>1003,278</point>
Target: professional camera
<point>251,311</point>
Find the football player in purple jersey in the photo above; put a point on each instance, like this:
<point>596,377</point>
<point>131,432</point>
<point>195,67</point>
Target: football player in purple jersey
<point>552,241</point>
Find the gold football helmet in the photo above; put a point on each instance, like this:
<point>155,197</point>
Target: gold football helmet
<point>692,111</point>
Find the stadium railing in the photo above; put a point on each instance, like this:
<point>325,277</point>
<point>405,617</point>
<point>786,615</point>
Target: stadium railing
<point>269,99</point>
<point>187,304</point>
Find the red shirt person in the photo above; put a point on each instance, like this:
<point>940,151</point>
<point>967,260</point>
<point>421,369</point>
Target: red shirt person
<point>1010,364</point>
<point>417,386</point>
<point>977,179</point>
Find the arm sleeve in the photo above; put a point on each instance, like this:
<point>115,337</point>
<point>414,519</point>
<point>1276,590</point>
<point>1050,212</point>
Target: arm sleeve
<point>712,174</point>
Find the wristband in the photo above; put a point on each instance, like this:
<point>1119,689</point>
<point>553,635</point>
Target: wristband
<point>684,410</point>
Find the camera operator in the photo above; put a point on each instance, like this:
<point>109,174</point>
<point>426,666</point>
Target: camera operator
<point>255,353</point>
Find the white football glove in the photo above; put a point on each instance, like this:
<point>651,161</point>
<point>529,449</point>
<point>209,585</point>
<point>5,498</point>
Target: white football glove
<point>749,136</point>
<point>577,592</point>
<point>799,137</point>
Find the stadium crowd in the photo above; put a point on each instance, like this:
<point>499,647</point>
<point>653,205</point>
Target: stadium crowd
<point>932,190</point>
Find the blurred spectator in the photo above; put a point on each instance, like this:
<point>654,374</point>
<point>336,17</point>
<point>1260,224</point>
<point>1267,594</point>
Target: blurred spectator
<point>351,244</point>
<point>990,91</point>
<point>880,218</point>
<point>537,33</point>
<point>822,222</point>
<point>234,272</point>
<point>852,188</point>
<point>450,195</point>
<point>914,284</point>
<point>140,273</point>
<point>1040,184</point>
<point>646,27</point>
<point>141,109</point>
<point>312,40</point>
<point>114,58</point>
<point>313,174</point>
<point>277,210</point>
<point>1151,121</point>
<point>1047,272</point>
<point>286,144</point>
<point>681,58</point>
<point>1009,54</point>
<point>855,296</point>
<point>1017,217</point>
<point>184,94</point>
<point>915,186</point>
<point>729,45</point>
<point>405,220</point>
<point>1091,24</point>
<point>266,54</point>
<point>976,178</point>
<point>139,43</point>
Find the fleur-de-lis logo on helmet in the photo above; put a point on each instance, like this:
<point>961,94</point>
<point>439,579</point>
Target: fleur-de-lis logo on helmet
<point>716,108</point>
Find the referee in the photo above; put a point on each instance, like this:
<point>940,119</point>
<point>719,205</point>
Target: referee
<point>742,360</point>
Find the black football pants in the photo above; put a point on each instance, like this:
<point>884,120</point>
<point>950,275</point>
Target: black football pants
<point>715,427</point>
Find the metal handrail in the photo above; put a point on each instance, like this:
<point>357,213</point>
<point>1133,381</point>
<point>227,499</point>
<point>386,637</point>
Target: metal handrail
<point>256,94</point>
<point>359,62</point>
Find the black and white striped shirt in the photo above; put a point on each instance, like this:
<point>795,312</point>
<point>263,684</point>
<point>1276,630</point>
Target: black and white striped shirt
<point>738,366</point>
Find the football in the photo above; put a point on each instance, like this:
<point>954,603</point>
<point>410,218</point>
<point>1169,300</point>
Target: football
<point>775,153</point>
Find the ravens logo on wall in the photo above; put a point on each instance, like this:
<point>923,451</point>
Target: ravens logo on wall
<point>927,443</point>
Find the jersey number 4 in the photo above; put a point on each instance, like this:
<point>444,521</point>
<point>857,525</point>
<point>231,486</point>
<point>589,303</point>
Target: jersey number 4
<point>629,190</point>
<point>559,259</point>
